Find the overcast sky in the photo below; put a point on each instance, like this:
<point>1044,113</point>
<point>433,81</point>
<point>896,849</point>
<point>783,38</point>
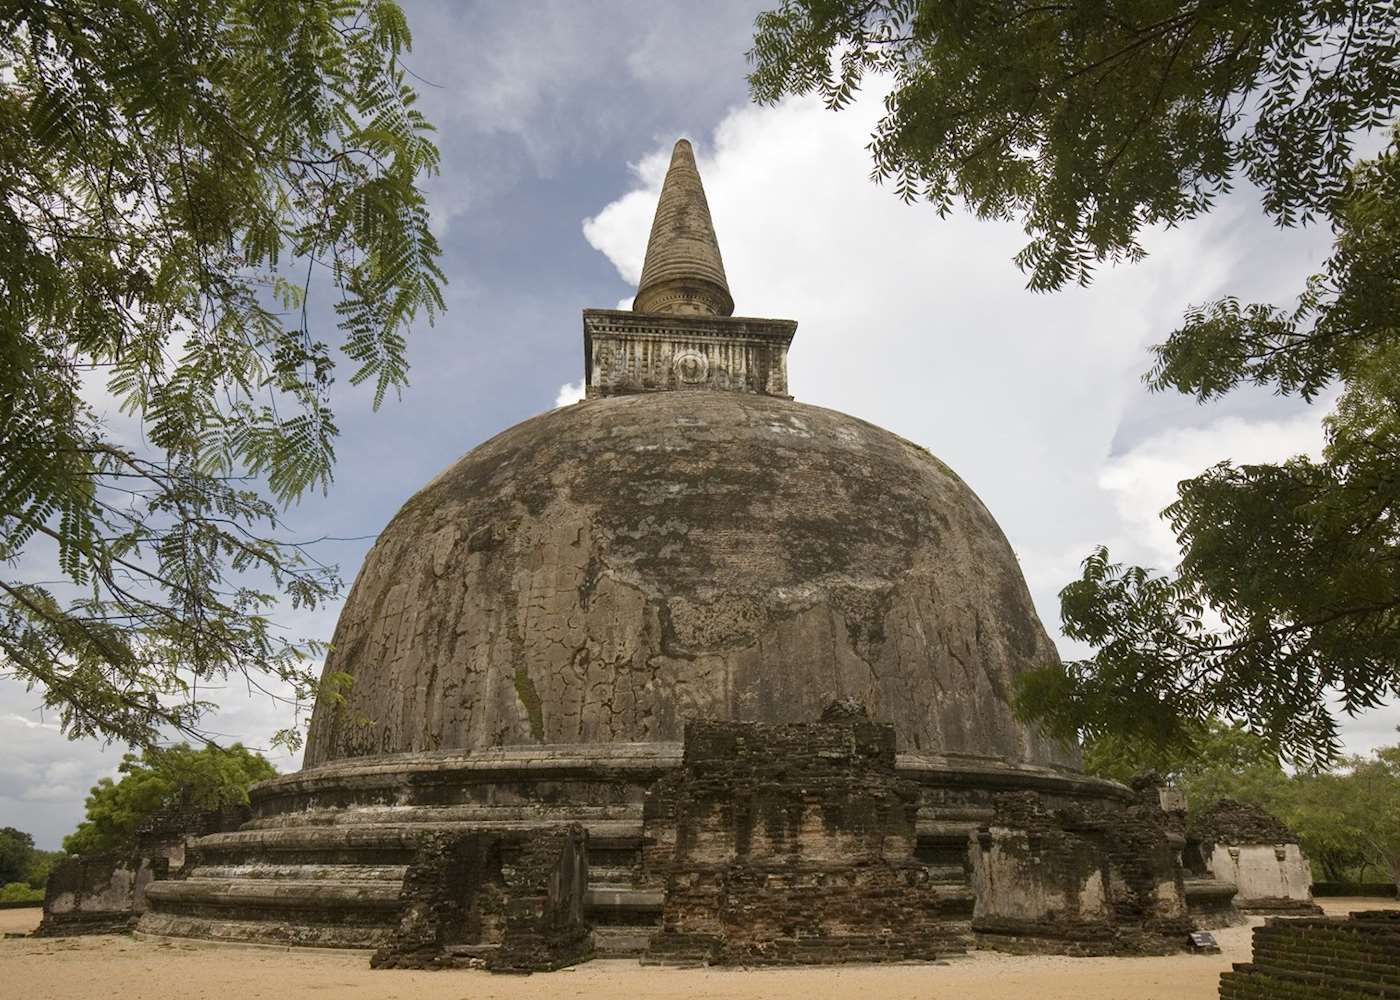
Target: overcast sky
<point>555,122</point>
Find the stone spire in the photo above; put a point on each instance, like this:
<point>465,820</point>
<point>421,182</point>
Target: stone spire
<point>683,271</point>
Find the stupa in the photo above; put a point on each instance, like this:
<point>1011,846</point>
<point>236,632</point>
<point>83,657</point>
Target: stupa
<point>534,631</point>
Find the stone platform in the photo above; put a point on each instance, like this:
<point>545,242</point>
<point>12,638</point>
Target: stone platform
<point>322,860</point>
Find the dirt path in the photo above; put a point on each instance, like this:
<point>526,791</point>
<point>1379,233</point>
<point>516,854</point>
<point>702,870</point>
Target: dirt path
<point>122,968</point>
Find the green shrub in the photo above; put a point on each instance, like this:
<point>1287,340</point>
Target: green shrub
<point>19,892</point>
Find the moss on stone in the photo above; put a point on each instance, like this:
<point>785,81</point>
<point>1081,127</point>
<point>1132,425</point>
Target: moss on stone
<point>530,698</point>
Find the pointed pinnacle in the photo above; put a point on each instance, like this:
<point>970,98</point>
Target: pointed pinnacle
<point>683,272</point>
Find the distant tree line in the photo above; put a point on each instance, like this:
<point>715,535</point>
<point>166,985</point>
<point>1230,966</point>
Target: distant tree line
<point>23,867</point>
<point>1347,817</point>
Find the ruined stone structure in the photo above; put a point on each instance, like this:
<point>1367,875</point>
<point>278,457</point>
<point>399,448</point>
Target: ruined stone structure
<point>628,614</point>
<point>1356,957</point>
<point>106,893</point>
<point>1248,848</point>
<point>94,894</point>
<point>506,900</point>
<point>790,843</point>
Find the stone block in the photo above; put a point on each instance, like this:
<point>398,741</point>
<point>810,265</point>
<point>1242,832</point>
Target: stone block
<point>793,844</point>
<point>510,901</point>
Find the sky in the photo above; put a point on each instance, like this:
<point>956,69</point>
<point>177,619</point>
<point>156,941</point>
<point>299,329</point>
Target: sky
<point>555,120</point>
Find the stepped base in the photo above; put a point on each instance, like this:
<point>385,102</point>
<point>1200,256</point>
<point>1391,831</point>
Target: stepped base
<point>302,934</point>
<point>322,860</point>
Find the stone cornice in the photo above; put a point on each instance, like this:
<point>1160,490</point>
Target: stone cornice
<point>630,352</point>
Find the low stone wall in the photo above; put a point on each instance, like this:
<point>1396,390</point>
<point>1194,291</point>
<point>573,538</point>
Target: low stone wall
<point>106,893</point>
<point>510,901</point>
<point>1079,878</point>
<point>1272,878</point>
<point>1317,958</point>
<point>792,844</point>
<point>94,894</point>
<point>1375,890</point>
<point>1249,847</point>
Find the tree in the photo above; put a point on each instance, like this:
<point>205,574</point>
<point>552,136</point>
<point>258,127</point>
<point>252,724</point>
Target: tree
<point>1089,121</point>
<point>16,852</point>
<point>36,876</point>
<point>1372,803</point>
<point>1319,808</point>
<point>1289,584</point>
<point>173,777</point>
<point>1223,761</point>
<point>179,178</point>
<point>1092,119</point>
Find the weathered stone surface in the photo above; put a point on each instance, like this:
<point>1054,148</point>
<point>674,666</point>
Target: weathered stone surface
<point>1086,878</point>
<point>1211,903</point>
<point>93,894</point>
<point>1254,850</point>
<point>507,901</point>
<point>605,571</point>
<point>1275,878</point>
<point>683,272</point>
<point>107,893</point>
<point>1351,958</point>
<point>790,844</point>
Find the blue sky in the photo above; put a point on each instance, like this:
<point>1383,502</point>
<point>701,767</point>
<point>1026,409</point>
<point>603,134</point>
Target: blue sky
<point>555,118</point>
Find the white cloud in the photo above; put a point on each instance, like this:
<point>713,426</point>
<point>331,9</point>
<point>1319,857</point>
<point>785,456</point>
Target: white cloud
<point>569,393</point>
<point>1143,480</point>
<point>45,777</point>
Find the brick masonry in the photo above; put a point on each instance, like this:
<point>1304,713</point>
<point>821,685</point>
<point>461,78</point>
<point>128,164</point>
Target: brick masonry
<point>1082,878</point>
<point>790,844</point>
<point>507,901</point>
<point>1321,958</point>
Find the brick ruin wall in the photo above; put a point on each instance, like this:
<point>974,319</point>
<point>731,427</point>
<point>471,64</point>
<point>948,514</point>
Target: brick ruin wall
<point>1247,846</point>
<point>1320,958</point>
<point>790,844</point>
<point>105,893</point>
<point>93,894</point>
<point>506,901</point>
<point>1079,877</point>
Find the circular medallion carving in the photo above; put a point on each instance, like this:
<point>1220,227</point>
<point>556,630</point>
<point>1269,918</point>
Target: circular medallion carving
<point>691,367</point>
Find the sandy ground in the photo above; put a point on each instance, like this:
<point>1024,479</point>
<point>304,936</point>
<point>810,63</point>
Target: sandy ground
<point>123,968</point>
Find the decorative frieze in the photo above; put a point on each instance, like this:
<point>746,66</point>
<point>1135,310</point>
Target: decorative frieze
<point>627,353</point>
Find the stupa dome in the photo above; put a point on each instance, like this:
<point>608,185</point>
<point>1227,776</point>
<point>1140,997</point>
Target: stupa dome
<point>604,571</point>
<point>617,624</point>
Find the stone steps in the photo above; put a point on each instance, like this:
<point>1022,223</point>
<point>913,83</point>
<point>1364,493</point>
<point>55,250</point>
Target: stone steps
<point>623,875</point>
<point>302,933</point>
<point>616,898</point>
<point>295,894</point>
<point>361,843</point>
<point>477,815</point>
<point>337,884</point>
<point>621,941</point>
<point>313,872</point>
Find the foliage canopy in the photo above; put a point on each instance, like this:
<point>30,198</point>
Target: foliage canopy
<point>160,779</point>
<point>1092,119</point>
<point>176,176</point>
<point>1289,584</point>
<point>16,848</point>
<point>22,865</point>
